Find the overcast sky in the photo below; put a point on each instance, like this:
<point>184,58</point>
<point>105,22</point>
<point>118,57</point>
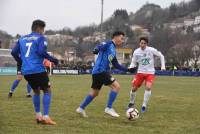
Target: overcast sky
<point>16,16</point>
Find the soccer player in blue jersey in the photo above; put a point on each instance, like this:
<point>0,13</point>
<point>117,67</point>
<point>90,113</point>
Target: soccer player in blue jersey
<point>30,52</point>
<point>16,83</point>
<point>101,74</point>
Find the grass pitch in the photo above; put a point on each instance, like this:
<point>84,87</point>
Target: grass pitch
<point>173,108</point>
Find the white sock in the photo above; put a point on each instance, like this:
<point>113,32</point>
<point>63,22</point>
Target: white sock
<point>46,116</point>
<point>132,96</point>
<point>147,95</point>
<point>38,114</point>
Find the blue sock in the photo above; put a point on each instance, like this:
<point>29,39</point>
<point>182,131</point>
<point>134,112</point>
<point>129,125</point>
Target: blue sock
<point>87,101</point>
<point>14,85</point>
<point>111,99</point>
<point>36,102</point>
<point>46,103</point>
<point>28,88</point>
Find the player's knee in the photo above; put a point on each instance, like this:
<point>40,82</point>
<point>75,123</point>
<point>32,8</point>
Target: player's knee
<point>148,89</point>
<point>135,86</point>
<point>115,86</point>
<point>36,91</point>
<point>47,90</point>
<point>118,87</point>
<point>94,93</point>
<point>148,86</point>
<point>134,89</point>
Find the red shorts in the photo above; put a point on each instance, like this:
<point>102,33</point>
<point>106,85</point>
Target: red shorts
<point>140,77</point>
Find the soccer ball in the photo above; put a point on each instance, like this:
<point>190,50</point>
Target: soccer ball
<point>132,114</point>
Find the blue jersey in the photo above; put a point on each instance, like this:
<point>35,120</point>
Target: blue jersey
<point>32,50</point>
<point>106,54</point>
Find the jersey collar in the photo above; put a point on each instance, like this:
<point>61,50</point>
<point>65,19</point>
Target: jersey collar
<point>35,33</point>
<point>113,43</point>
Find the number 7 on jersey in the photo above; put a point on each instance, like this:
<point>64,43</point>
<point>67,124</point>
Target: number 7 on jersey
<point>29,48</point>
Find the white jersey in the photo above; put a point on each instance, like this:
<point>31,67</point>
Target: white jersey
<point>145,60</point>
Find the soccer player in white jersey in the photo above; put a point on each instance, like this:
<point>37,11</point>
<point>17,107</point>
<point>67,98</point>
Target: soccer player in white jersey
<point>143,58</point>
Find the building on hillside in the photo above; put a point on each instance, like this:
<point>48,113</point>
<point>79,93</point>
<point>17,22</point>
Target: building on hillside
<point>174,26</point>
<point>89,57</point>
<point>196,26</point>
<point>188,22</point>
<point>140,30</point>
<point>70,55</point>
<point>6,58</point>
<point>187,25</point>
<point>58,56</point>
<point>12,43</point>
<point>58,39</point>
<point>97,36</point>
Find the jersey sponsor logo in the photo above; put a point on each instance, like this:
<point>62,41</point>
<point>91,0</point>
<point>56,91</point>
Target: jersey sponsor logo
<point>30,38</point>
<point>110,57</point>
<point>145,61</point>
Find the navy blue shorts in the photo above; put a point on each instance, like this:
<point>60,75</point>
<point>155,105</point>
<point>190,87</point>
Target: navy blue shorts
<point>19,69</point>
<point>38,80</point>
<point>104,78</point>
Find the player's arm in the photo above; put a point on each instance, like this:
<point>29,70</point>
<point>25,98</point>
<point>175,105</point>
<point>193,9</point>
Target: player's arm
<point>116,64</point>
<point>133,65</point>
<point>16,54</point>
<point>113,59</point>
<point>161,56</point>
<point>42,51</point>
<point>133,61</point>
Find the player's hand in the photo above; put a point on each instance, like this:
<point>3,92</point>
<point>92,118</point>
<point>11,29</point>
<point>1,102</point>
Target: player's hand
<point>95,51</point>
<point>132,70</point>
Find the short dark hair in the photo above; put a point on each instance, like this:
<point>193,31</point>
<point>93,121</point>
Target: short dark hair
<point>117,33</point>
<point>36,24</point>
<point>144,38</point>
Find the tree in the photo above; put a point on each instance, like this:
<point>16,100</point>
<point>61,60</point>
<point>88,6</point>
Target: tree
<point>163,39</point>
<point>122,14</point>
<point>172,11</point>
<point>85,30</point>
<point>196,53</point>
<point>180,54</point>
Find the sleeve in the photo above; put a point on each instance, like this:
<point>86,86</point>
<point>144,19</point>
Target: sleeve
<point>112,58</point>
<point>116,64</point>
<point>160,55</point>
<point>42,50</point>
<point>133,61</point>
<point>16,53</point>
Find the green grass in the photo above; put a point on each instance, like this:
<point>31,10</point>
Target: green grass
<point>173,108</point>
